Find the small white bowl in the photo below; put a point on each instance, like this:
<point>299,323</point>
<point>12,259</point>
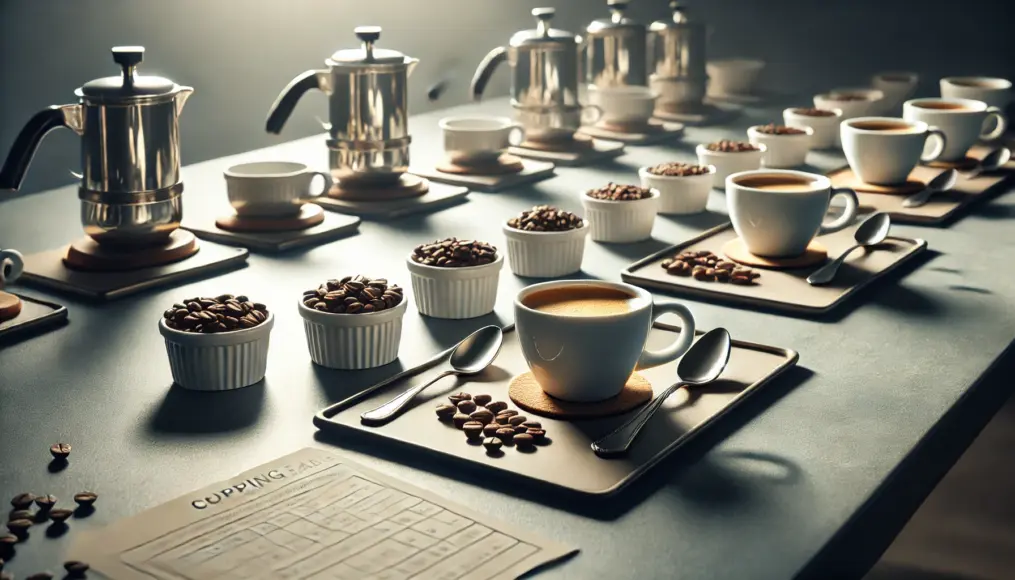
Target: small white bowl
<point>871,101</point>
<point>624,105</point>
<point>826,129</point>
<point>218,362</point>
<point>455,293</point>
<point>621,222</point>
<point>545,254</point>
<point>734,76</point>
<point>353,341</point>
<point>898,87</point>
<point>784,151</point>
<point>679,194</point>
<point>728,162</point>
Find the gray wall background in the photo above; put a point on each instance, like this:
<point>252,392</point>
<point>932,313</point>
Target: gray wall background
<point>238,54</point>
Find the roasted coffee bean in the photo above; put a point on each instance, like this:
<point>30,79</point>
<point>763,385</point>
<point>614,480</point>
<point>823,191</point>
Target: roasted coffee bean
<point>812,112</point>
<point>536,434</point>
<point>353,295</point>
<point>506,434</point>
<point>484,416</point>
<point>460,419</point>
<point>7,541</point>
<point>466,406</point>
<point>458,398</point>
<point>614,192</point>
<point>773,129</point>
<point>76,568</point>
<point>517,420</point>
<point>473,429</point>
<point>728,146</point>
<point>523,440</point>
<point>520,429</point>
<point>45,502</point>
<point>19,527</point>
<point>454,253</point>
<point>545,218</point>
<point>678,169</point>
<point>847,97</point>
<point>22,501</point>
<point>20,515</point>
<point>215,315</point>
<point>492,444</point>
<point>60,515</point>
<point>85,498</point>
<point>504,417</point>
<point>533,424</point>
<point>496,406</point>
<point>706,267</point>
<point>446,411</point>
<point>1,564</point>
<point>490,429</point>
<point>740,280</point>
<point>482,400</point>
<point>40,576</point>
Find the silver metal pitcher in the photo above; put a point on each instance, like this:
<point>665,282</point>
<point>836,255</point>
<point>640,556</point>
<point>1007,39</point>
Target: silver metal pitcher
<point>678,59</point>
<point>616,50</point>
<point>130,152</point>
<point>368,96</point>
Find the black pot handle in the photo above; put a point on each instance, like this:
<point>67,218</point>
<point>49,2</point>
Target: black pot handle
<point>287,99</point>
<point>23,150</point>
<point>486,70</point>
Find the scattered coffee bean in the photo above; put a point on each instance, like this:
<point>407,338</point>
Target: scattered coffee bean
<point>19,527</point>
<point>708,267</point>
<point>523,440</point>
<point>45,502</point>
<point>446,411</point>
<point>773,129</point>
<point>614,192</point>
<point>482,400</point>
<point>215,315</point>
<point>455,399</point>
<point>517,420</point>
<point>533,424</point>
<point>59,450</point>
<point>7,540</point>
<point>484,416</point>
<point>520,429</point>
<point>545,218</point>
<point>496,407</point>
<point>6,576</point>
<point>490,429</point>
<point>473,429</point>
<point>40,576</point>
<point>505,434</point>
<point>492,444</point>
<point>75,568</point>
<point>1,564</point>
<point>814,112</point>
<point>20,515</point>
<point>85,498</point>
<point>22,501</point>
<point>454,253</point>
<point>729,146</point>
<point>60,515</point>
<point>679,169</point>
<point>466,407</point>
<point>536,433</point>
<point>353,295</point>
<point>460,419</point>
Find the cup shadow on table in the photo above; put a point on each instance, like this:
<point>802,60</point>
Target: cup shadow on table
<point>196,412</point>
<point>634,251</point>
<point>705,220</point>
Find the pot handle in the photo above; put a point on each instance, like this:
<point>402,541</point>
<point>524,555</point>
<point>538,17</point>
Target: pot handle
<point>287,99</point>
<point>591,114</point>
<point>485,71</point>
<point>23,150</point>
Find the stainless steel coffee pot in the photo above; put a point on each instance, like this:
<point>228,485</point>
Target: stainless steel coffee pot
<point>678,58</point>
<point>130,152</point>
<point>616,52</point>
<point>368,95</point>
<point>544,81</point>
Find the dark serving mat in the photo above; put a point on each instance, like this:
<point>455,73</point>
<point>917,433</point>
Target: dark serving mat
<point>568,461</point>
<point>784,290</point>
<point>439,196</point>
<point>531,172</point>
<point>35,314</point>
<point>333,227</point>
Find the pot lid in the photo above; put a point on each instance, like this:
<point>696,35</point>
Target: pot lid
<point>616,23</point>
<point>128,85</point>
<point>366,55</point>
<point>543,34</point>
<point>678,19</point>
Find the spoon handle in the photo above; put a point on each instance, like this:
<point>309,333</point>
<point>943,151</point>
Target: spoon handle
<point>388,410</point>
<point>826,273</point>
<point>618,441</point>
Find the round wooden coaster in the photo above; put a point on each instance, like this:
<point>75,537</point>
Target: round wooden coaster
<point>503,165</point>
<point>961,165</point>
<point>649,127</point>
<point>408,185</point>
<point>310,215</point>
<point>527,394</point>
<point>910,187</point>
<point>579,142</point>
<point>87,254</point>
<point>10,306</point>
<point>736,250</point>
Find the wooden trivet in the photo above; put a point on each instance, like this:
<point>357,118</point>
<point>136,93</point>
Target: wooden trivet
<point>310,215</point>
<point>10,305</point>
<point>578,142</point>
<point>408,185</point>
<point>527,394</point>
<point>736,250</point>
<point>846,178</point>
<point>503,165</point>
<point>87,254</point>
<point>962,164</point>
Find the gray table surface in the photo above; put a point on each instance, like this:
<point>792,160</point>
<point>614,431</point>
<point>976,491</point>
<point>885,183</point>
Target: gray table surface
<point>811,479</point>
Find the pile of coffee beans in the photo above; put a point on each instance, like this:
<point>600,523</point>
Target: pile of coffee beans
<point>615,192</point>
<point>21,519</point>
<point>545,218</point>
<point>813,112</point>
<point>223,313</point>
<point>707,267</point>
<point>454,253</point>
<point>679,169</point>
<point>354,295</point>
<point>728,146</point>
<point>491,423</point>
<point>773,129</point>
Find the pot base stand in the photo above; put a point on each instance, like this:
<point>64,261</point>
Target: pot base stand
<point>508,171</point>
<point>86,269</point>
<point>703,114</point>
<point>525,392</point>
<point>27,315</point>
<point>576,152</point>
<point>312,227</point>
<point>654,131</point>
<point>814,255</point>
<point>412,194</point>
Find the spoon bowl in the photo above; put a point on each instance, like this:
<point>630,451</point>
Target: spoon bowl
<point>992,161</point>
<point>871,232</point>
<point>943,182</point>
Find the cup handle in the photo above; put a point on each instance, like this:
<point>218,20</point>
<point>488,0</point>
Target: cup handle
<point>654,358</point>
<point>939,139</point>
<point>328,183</point>
<point>591,114</point>
<point>11,265</point>
<point>516,135</point>
<point>1001,124</point>
<point>852,207</point>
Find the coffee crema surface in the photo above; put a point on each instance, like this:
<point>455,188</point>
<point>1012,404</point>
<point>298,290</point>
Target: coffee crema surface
<point>883,126</point>
<point>581,301</point>
<point>942,106</point>
<point>778,183</point>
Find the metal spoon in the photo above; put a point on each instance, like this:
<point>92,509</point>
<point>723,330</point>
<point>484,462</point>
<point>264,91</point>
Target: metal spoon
<point>943,182</point>
<point>872,231</point>
<point>701,364</point>
<point>470,357</point>
<point>991,162</point>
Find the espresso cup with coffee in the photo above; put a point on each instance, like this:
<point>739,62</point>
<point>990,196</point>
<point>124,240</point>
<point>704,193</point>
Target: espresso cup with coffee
<point>476,140</point>
<point>272,189</point>
<point>963,121</point>
<point>993,91</point>
<point>582,339</point>
<point>884,150</point>
<point>12,263</point>
<point>777,212</point>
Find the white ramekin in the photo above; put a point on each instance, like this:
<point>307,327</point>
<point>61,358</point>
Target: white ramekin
<point>679,194</point>
<point>455,293</point>
<point>218,362</point>
<point>784,151</point>
<point>826,129</point>
<point>727,162</point>
<point>620,222</point>
<point>545,254</point>
<point>353,341</point>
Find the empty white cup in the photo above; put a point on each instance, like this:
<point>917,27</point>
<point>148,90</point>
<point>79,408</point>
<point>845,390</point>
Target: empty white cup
<point>266,189</point>
<point>628,105</point>
<point>475,140</point>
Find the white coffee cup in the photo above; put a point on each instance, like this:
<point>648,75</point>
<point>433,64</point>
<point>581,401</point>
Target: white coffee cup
<point>995,92</point>
<point>897,87</point>
<point>590,357</point>
<point>12,263</point>
<point>777,212</point>
<point>964,122</point>
<point>626,105</point>
<point>266,189</point>
<point>733,76</point>
<point>884,150</point>
<point>479,139</point>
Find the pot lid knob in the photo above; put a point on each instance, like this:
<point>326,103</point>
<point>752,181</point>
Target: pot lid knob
<point>368,34</point>
<point>128,57</point>
<point>544,15</point>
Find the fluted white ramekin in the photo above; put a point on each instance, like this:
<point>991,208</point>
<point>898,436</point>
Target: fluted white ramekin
<point>621,221</point>
<point>679,194</point>
<point>455,293</point>
<point>545,254</point>
<point>218,362</point>
<point>353,341</point>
